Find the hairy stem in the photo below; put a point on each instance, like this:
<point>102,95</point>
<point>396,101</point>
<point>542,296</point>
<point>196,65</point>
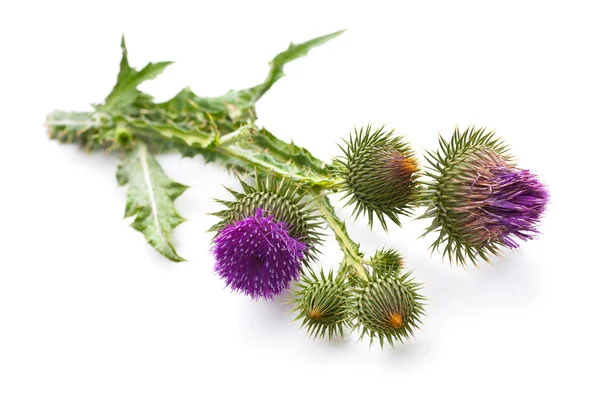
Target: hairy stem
<point>347,245</point>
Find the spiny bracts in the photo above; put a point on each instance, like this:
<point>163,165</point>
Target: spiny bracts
<point>479,200</point>
<point>386,262</point>
<point>389,308</point>
<point>379,175</point>
<point>323,303</point>
<point>281,198</point>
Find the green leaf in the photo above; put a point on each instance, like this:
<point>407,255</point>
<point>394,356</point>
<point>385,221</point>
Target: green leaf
<point>125,91</point>
<point>75,127</point>
<point>293,52</point>
<point>236,105</point>
<point>150,198</point>
<point>191,125</point>
<point>290,153</point>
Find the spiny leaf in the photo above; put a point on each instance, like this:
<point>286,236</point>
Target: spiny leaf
<point>125,91</point>
<point>293,52</point>
<point>150,198</point>
<point>75,127</point>
<point>189,136</point>
<point>238,105</point>
<point>191,125</point>
<point>290,153</point>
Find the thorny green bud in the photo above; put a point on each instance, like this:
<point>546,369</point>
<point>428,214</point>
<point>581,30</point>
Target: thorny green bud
<point>323,303</point>
<point>386,262</point>
<point>389,309</point>
<point>379,174</point>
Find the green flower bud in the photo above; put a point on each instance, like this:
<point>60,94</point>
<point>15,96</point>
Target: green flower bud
<point>389,308</point>
<point>379,174</point>
<point>386,262</point>
<point>322,303</point>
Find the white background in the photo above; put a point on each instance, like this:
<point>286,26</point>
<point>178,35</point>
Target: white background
<point>89,311</point>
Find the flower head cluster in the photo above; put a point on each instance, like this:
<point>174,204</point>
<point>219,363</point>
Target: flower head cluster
<point>479,200</point>
<point>257,256</point>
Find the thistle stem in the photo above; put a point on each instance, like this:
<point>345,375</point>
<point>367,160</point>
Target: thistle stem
<point>347,245</point>
<point>249,158</point>
<point>71,125</point>
<point>227,146</point>
<point>245,131</point>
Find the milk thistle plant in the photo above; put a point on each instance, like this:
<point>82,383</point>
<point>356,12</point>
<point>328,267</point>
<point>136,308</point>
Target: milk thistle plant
<point>267,241</point>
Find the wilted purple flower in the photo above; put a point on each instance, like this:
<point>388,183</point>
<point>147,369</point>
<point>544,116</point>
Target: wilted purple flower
<point>478,199</point>
<point>257,256</point>
<point>503,203</point>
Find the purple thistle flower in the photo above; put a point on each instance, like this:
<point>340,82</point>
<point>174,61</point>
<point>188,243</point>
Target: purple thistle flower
<point>257,256</point>
<point>503,202</point>
<point>479,201</point>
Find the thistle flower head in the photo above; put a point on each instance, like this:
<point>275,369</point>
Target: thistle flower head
<point>389,309</point>
<point>503,203</point>
<point>257,256</point>
<point>283,200</point>
<point>380,175</point>
<point>322,303</point>
<point>479,200</point>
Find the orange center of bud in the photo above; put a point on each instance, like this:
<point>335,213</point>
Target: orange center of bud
<point>395,319</point>
<point>408,167</point>
<point>402,169</point>
<point>315,313</point>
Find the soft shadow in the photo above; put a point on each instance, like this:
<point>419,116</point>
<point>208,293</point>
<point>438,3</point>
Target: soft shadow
<point>271,323</point>
<point>266,320</point>
<point>405,357</point>
<point>513,279</point>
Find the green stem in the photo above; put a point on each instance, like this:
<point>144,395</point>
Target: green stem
<point>99,131</point>
<point>347,245</point>
<point>88,128</point>
<point>250,158</point>
<point>245,131</point>
<point>229,146</point>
